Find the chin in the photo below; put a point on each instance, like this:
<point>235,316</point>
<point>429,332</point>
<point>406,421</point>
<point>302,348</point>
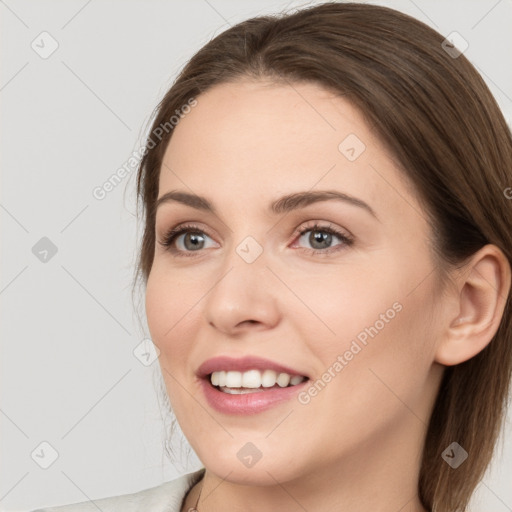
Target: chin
<point>244,462</point>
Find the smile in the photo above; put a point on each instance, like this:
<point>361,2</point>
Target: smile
<point>253,381</point>
<point>233,399</point>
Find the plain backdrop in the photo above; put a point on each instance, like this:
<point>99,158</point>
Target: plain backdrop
<point>79,81</point>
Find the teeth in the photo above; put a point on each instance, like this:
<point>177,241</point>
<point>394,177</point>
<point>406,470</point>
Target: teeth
<point>250,379</point>
<point>268,379</point>
<point>233,380</point>
<point>283,379</point>
<point>253,379</point>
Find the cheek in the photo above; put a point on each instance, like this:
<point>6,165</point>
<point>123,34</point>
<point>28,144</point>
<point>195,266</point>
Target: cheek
<point>373,324</point>
<point>171,313</point>
<point>171,319</point>
<point>339,306</point>
<point>391,370</point>
<point>379,367</point>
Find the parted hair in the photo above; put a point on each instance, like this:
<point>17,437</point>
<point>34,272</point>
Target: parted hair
<point>442,126</point>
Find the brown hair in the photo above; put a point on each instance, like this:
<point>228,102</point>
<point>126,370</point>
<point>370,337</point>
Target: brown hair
<point>442,125</point>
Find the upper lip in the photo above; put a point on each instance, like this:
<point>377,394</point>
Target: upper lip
<point>242,364</point>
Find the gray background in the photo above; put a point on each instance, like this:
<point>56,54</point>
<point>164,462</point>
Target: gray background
<point>68,373</point>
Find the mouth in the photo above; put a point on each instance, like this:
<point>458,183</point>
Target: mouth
<point>248,385</point>
<point>250,392</point>
<point>252,381</point>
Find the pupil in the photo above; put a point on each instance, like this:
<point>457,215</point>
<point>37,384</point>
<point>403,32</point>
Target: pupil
<point>194,239</point>
<point>317,236</point>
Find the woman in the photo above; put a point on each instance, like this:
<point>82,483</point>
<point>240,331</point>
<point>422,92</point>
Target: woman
<point>326,259</point>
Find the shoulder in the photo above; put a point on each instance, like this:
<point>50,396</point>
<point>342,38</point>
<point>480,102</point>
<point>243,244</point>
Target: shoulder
<point>166,497</point>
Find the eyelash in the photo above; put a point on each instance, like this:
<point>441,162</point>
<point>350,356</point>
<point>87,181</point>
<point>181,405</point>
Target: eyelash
<point>171,235</point>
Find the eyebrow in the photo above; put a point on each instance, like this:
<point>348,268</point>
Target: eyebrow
<point>282,205</point>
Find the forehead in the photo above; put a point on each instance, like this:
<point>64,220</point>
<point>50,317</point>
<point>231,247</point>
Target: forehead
<point>253,139</point>
<point>252,119</point>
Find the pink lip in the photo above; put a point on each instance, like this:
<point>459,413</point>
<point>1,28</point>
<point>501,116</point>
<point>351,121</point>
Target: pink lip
<point>242,364</point>
<point>249,403</point>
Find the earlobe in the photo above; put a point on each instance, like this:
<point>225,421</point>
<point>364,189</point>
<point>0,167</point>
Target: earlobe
<point>484,286</point>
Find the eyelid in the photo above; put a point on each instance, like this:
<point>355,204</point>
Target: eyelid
<point>346,238</point>
<point>170,236</point>
<point>320,225</point>
<point>168,239</point>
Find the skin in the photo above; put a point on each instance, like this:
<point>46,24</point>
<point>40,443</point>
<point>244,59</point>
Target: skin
<point>357,444</point>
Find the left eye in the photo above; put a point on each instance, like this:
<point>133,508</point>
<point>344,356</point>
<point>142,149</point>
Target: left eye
<point>321,237</point>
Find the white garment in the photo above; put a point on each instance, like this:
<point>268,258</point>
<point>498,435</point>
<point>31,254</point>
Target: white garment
<point>167,497</point>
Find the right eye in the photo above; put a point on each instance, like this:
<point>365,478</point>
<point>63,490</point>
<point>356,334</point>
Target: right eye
<point>184,240</point>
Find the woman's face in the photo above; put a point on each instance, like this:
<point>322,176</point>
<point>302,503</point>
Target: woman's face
<point>350,304</point>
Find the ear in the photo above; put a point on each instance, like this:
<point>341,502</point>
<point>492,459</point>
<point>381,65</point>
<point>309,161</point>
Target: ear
<point>482,288</point>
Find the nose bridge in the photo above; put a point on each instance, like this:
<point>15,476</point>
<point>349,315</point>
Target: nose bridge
<point>242,291</point>
<point>245,263</point>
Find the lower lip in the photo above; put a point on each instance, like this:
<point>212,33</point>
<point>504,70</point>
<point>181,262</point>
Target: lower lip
<point>248,403</point>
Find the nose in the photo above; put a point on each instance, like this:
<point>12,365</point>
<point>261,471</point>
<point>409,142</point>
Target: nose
<point>243,296</point>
